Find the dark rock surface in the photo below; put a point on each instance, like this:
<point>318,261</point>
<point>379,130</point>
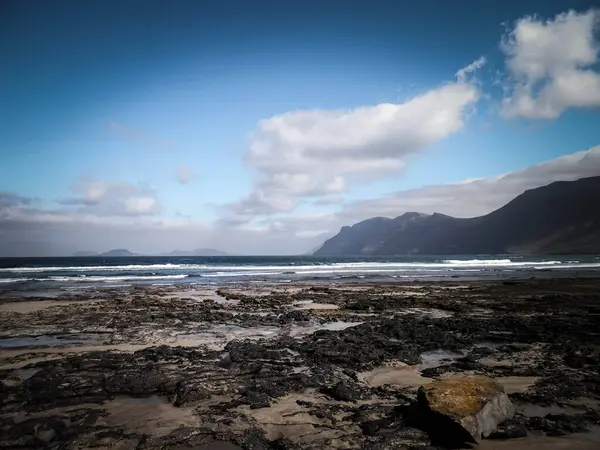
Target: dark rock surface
<point>254,371</point>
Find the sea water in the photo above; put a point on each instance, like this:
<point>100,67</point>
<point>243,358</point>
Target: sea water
<point>71,273</point>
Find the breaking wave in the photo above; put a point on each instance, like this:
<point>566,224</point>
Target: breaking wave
<point>274,269</point>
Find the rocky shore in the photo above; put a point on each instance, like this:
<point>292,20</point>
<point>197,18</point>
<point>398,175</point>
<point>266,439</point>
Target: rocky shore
<point>296,367</point>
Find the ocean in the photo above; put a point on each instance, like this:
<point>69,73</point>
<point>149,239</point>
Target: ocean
<point>72,273</point>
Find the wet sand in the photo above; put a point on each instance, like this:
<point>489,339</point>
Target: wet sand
<point>295,367</point>
<point>32,306</point>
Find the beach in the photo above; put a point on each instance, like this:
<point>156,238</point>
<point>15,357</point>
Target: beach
<point>261,365</point>
<point>270,225</point>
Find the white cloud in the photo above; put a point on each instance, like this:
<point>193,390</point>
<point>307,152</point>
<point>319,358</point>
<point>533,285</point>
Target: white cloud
<point>461,75</point>
<point>106,198</point>
<point>318,153</point>
<point>185,174</point>
<point>550,64</point>
<point>477,196</point>
<point>141,206</point>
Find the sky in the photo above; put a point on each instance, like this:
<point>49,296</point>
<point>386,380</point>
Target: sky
<point>263,127</point>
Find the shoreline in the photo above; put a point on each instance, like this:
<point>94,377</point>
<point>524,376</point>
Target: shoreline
<point>295,365</point>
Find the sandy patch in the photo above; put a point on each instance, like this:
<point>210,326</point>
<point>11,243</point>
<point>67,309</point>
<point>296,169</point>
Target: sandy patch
<point>287,419</point>
<point>413,293</point>
<point>151,415</point>
<point>437,358</point>
<point>401,375</point>
<point>38,305</point>
<point>514,385</point>
<point>491,362</point>
<point>451,288</point>
<point>308,305</point>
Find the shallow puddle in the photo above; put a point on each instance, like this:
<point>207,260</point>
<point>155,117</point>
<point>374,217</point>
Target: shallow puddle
<point>46,340</point>
<point>434,313</point>
<point>218,336</point>
<point>17,377</point>
<point>488,345</point>
<point>25,374</point>
<point>437,358</point>
<point>203,295</point>
<point>334,326</point>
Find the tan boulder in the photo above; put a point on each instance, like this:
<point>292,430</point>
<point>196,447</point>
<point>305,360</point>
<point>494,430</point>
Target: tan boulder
<point>464,409</point>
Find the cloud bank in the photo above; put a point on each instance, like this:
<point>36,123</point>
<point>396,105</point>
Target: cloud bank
<point>479,196</point>
<point>25,230</point>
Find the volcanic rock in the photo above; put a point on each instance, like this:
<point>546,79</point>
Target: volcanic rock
<point>463,410</point>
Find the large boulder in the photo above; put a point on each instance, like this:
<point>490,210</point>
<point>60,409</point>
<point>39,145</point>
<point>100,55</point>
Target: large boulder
<point>463,410</point>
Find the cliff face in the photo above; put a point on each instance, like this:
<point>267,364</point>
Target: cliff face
<point>562,217</point>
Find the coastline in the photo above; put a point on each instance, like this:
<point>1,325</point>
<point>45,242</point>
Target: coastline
<point>60,277</point>
<point>295,365</point>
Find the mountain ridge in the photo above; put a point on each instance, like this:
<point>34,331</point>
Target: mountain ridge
<point>126,252</point>
<point>119,252</point>
<point>560,217</point>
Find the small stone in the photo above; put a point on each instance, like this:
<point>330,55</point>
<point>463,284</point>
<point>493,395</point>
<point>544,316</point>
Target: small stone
<point>225,359</point>
<point>260,405</point>
<point>509,430</point>
<point>342,392</point>
<point>465,409</point>
<point>46,435</point>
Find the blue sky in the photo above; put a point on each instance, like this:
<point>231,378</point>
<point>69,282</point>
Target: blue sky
<point>105,104</point>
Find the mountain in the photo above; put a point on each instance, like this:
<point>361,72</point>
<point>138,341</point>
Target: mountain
<point>85,253</point>
<point>197,252</point>
<point>562,217</point>
<point>118,252</point>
